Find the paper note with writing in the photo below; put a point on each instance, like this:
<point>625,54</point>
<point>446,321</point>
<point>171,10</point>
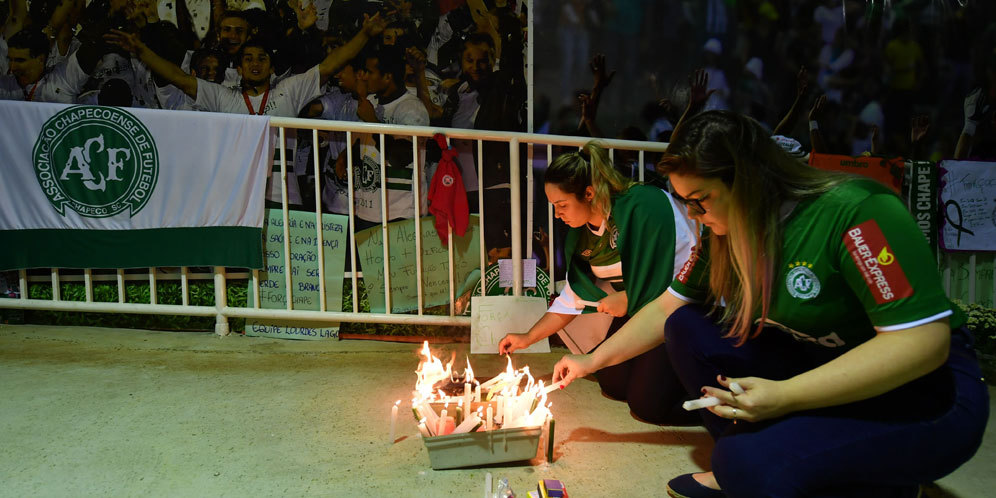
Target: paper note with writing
<point>958,265</point>
<point>492,317</point>
<point>305,290</point>
<point>968,205</point>
<point>435,263</point>
<point>505,273</point>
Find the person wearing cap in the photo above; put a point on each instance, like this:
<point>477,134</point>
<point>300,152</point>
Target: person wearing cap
<point>624,244</point>
<point>816,294</point>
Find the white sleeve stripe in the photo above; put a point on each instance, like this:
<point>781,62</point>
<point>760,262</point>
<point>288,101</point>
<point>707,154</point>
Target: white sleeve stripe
<point>916,323</point>
<point>679,296</point>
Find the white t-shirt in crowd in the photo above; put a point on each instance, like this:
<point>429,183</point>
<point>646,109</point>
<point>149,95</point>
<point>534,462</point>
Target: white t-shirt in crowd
<point>286,98</point>
<point>61,84</point>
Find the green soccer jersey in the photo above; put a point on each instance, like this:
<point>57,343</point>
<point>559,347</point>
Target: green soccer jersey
<point>853,261</point>
<point>599,248</point>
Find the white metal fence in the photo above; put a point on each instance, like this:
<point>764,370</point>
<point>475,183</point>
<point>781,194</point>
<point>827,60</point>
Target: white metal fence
<point>539,153</point>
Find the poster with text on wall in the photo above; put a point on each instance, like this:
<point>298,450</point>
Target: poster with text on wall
<point>492,317</point>
<point>402,265</point>
<point>305,288</point>
<point>968,206</point>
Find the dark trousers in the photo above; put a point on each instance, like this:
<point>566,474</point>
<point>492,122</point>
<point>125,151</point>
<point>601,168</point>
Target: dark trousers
<point>648,384</point>
<point>882,446</point>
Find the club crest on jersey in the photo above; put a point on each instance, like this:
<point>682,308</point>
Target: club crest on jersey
<point>876,261</point>
<point>613,236</point>
<point>801,281</point>
<point>447,180</point>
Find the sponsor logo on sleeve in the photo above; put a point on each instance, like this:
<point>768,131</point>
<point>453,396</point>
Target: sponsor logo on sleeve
<point>875,260</point>
<point>686,270</point>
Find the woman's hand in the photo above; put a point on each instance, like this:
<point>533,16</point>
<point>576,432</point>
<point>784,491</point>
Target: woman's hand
<point>512,342</point>
<point>614,304</point>
<point>762,399</point>
<point>571,367</point>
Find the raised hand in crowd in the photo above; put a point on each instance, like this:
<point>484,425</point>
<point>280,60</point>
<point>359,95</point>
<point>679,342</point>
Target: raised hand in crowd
<point>306,16</point>
<point>816,114</point>
<point>415,58</point>
<point>919,125</point>
<point>787,123</point>
<point>17,18</point>
<point>698,94</point>
<point>976,107</point>
<point>399,9</point>
<point>589,101</point>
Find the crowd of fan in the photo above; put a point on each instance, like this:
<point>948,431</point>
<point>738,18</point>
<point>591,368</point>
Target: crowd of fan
<point>870,69</point>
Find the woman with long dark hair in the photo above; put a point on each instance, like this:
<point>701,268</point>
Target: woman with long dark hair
<point>816,294</point>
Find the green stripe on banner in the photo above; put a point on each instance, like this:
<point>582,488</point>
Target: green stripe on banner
<point>240,247</point>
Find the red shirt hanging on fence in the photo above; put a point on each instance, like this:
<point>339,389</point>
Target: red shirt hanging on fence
<point>447,197</point>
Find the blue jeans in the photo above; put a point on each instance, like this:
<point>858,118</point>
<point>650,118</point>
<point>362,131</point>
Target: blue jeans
<point>916,433</point>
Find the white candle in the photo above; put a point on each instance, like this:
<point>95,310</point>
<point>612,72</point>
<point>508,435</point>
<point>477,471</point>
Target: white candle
<point>736,388</point>
<point>442,422</point>
<point>468,424</point>
<point>489,421</point>
<point>468,395</point>
<point>551,388</point>
<point>423,429</point>
<point>394,418</point>
<point>696,404</point>
<point>581,303</point>
<point>487,486</point>
<point>477,393</point>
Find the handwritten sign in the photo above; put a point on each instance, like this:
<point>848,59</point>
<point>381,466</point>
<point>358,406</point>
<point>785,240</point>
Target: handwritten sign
<point>401,250</point>
<point>506,273</point>
<point>959,267</point>
<point>968,206</point>
<point>492,317</point>
<point>305,290</point>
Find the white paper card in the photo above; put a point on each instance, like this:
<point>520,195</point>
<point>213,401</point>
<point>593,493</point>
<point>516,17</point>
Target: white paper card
<point>528,273</point>
<point>492,317</point>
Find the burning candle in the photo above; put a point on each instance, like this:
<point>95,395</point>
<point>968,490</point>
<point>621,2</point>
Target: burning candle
<point>423,429</point>
<point>468,395</point>
<point>696,404</point>
<point>477,393</point>
<point>394,418</point>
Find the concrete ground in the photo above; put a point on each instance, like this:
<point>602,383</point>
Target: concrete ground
<point>109,412</point>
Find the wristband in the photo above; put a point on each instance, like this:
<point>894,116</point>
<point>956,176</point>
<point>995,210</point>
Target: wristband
<point>813,125</point>
<point>969,128</point>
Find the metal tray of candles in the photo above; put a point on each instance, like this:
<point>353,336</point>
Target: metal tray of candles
<point>482,448</point>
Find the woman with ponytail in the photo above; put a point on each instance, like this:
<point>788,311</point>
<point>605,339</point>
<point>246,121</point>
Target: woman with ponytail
<point>622,249</point>
<point>813,312</point>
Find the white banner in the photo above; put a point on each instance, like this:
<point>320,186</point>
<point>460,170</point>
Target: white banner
<point>177,188</point>
<point>968,206</point>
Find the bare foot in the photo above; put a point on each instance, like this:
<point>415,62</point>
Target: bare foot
<point>706,479</point>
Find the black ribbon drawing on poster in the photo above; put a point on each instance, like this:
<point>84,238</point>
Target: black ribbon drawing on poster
<point>956,225</point>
